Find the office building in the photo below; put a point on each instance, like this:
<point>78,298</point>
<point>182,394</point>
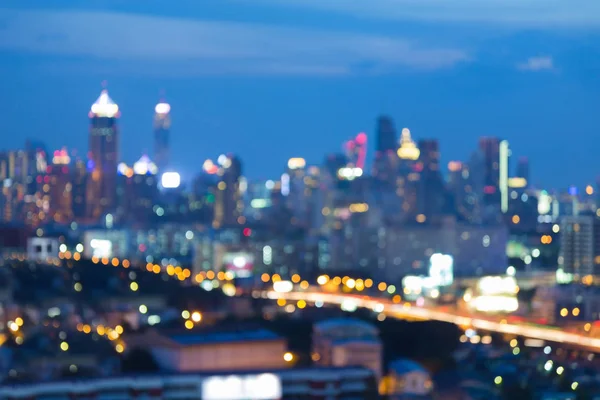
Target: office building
<point>137,190</point>
<point>60,188</point>
<point>580,245</point>
<point>103,156</point>
<point>229,206</point>
<point>384,165</point>
<point>495,155</point>
<point>162,126</point>
<point>431,193</point>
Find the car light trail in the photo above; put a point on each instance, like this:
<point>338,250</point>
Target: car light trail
<point>399,311</point>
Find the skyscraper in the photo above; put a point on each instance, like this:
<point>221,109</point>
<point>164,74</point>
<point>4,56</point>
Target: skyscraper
<point>580,244</point>
<point>431,194</point>
<point>386,135</point>
<point>522,170</point>
<point>228,197</point>
<point>103,156</point>
<point>489,148</point>
<point>385,163</point>
<point>162,124</point>
<point>408,177</point>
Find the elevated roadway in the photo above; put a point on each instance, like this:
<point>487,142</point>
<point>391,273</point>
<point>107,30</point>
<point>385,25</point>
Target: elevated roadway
<point>402,311</point>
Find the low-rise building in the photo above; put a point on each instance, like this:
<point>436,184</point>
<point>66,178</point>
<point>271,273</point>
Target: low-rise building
<point>408,380</point>
<point>347,342</point>
<point>213,350</point>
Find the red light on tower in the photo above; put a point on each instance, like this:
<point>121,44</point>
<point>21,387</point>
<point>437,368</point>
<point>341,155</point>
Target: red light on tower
<point>247,232</point>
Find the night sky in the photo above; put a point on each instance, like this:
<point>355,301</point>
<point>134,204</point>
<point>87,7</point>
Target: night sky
<point>274,79</point>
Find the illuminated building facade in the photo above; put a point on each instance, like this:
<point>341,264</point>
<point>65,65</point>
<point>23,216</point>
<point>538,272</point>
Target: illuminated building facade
<point>408,174</point>
<point>162,125</point>
<point>495,155</point>
<point>580,245</point>
<point>522,170</point>
<point>431,193</point>
<point>60,188</point>
<point>37,162</point>
<point>14,178</point>
<point>137,190</point>
<point>103,156</point>
<point>79,188</point>
<point>295,190</point>
<point>229,206</point>
<point>384,165</point>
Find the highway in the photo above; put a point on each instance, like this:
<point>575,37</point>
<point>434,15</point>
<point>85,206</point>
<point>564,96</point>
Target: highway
<point>400,311</point>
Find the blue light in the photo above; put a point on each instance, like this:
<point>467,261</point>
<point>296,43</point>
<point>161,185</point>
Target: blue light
<point>573,191</point>
<point>90,165</point>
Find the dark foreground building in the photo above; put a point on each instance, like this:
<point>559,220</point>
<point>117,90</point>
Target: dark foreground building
<point>290,384</point>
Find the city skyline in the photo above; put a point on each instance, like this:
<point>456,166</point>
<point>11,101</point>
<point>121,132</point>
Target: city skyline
<point>519,80</point>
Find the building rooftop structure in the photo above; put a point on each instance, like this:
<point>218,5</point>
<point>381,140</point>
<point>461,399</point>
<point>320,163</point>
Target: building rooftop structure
<point>201,338</point>
<point>104,106</point>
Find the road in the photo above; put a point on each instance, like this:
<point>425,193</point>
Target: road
<point>551,334</point>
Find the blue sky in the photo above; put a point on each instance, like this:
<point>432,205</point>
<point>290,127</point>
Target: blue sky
<point>274,79</point>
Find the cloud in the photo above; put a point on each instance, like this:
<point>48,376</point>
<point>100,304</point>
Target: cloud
<point>524,13</point>
<point>537,64</point>
<point>188,46</point>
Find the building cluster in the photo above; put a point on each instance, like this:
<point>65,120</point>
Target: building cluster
<point>385,221</point>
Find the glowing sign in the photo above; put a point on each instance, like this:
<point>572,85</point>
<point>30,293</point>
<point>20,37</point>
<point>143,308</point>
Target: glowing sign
<point>503,180</point>
<point>170,180</point>
<point>235,387</point>
<point>358,208</point>
<point>517,182</point>
<point>283,286</point>
<point>260,203</point>
<point>497,285</point>
<point>101,248</point>
<point>441,269</point>
<point>493,304</point>
<point>296,163</point>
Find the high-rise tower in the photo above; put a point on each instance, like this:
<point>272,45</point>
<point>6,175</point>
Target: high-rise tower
<point>162,124</point>
<point>386,135</point>
<point>228,200</point>
<point>431,193</point>
<point>385,163</point>
<point>103,155</point>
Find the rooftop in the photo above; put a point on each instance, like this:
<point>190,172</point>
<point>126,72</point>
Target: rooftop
<point>221,337</point>
<point>105,106</point>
